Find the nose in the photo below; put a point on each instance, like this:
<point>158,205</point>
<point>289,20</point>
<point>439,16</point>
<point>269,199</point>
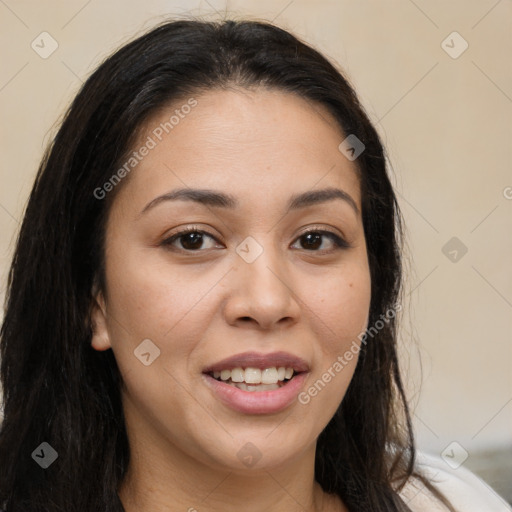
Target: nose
<point>262,294</point>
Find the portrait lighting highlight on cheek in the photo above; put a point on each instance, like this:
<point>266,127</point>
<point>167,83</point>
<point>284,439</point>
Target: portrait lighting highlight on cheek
<point>244,264</point>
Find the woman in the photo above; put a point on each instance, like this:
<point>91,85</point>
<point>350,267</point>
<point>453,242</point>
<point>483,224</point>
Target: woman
<point>202,304</point>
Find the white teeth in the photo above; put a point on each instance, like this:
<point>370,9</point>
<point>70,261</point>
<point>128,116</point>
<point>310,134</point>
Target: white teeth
<point>253,376</point>
<point>237,375</point>
<point>268,376</point>
<point>258,387</point>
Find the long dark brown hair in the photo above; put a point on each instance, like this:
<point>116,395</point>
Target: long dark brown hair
<point>57,389</point>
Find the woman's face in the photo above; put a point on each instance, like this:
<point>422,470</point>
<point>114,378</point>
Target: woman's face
<point>247,283</point>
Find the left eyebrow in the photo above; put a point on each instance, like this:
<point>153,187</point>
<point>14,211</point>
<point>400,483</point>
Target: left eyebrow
<point>222,200</point>
<point>321,196</point>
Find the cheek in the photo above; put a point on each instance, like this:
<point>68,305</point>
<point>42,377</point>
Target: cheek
<point>340,309</point>
<point>341,305</point>
<point>155,302</point>
<point>143,291</point>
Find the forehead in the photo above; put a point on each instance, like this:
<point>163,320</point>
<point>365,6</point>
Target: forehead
<point>256,143</point>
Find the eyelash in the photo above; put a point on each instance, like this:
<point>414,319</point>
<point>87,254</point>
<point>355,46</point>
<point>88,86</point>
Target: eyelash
<point>339,242</point>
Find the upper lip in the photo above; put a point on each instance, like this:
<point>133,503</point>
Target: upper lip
<point>259,360</point>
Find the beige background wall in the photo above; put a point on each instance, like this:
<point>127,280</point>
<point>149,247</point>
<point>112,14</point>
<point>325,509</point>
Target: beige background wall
<point>447,126</point>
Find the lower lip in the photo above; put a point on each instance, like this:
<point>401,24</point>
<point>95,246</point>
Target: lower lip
<point>257,402</point>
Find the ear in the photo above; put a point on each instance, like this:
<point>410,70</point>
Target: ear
<point>100,337</point>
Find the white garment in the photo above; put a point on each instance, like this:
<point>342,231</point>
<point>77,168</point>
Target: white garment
<point>465,491</point>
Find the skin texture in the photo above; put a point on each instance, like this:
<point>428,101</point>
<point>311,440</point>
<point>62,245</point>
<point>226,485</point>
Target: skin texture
<point>203,305</point>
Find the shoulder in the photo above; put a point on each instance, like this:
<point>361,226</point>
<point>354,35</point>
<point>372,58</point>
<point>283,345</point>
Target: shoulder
<point>465,491</point>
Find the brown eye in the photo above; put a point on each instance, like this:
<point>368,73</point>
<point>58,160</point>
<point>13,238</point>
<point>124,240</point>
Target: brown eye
<point>189,240</point>
<point>312,241</point>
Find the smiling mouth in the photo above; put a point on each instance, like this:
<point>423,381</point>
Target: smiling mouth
<point>254,379</point>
